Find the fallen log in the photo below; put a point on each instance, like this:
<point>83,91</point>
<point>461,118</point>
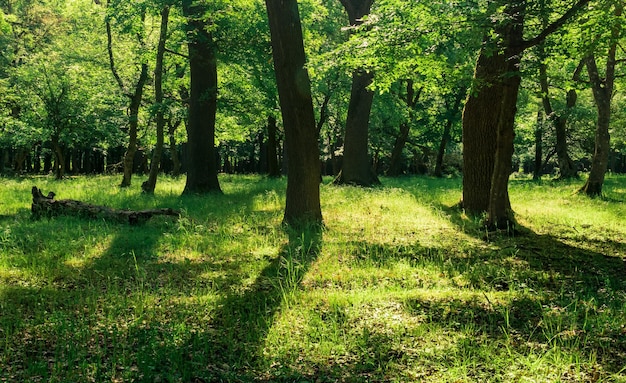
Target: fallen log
<point>46,205</point>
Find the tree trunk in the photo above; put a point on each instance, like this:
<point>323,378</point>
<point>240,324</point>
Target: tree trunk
<point>445,137</point>
<point>480,122</point>
<point>538,166</point>
<point>133,123</point>
<point>149,185</point>
<point>59,159</point>
<point>174,147</point>
<point>567,169</point>
<point>602,93</point>
<point>499,214</point>
<point>202,169</point>
<point>356,166</point>
<point>273,170</point>
<point>396,153</point>
<point>294,91</point>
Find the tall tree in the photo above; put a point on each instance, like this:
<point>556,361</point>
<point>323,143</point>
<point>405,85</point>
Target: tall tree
<point>202,158</point>
<point>602,88</point>
<point>294,91</point>
<point>135,97</point>
<point>489,113</point>
<point>356,167</point>
<point>149,185</point>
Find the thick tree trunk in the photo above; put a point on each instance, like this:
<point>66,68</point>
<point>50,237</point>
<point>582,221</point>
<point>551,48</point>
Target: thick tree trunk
<point>133,123</point>
<point>488,122</point>
<point>499,214</point>
<point>149,185</point>
<point>202,164</point>
<point>480,123</point>
<point>294,90</point>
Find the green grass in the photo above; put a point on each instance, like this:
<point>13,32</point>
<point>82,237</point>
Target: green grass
<point>398,286</point>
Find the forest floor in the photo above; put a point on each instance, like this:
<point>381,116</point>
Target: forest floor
<point>398,286</point>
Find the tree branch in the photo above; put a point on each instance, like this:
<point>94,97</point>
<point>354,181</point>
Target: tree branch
<point>176,53</point>
<point>118,79</point>
<point>555,25</point>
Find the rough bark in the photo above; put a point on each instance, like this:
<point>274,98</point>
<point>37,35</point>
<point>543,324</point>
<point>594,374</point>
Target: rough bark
<point>356,166</point>
<point>294,91</point>
<point>499,214</point>
<point>490,111</point>
<point>149,185</point>
<point>47,206</point>
<point>202,159</point>
<point>480,121</point>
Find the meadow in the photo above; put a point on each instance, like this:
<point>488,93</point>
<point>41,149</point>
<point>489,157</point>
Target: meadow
<point>398,286</point>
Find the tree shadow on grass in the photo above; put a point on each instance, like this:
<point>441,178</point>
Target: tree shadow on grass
<point>566,288</point>
<point>122,314</point>
<point>242,320</point>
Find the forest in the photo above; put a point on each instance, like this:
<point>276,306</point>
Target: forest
<point>312,191</point>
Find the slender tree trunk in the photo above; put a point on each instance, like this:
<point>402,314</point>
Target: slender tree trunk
<point>396,153</point>
<point>59,159</point>
<point>133,124</point>
<point>602,93</point>
<point>171,130</point>
<point>294,90</point>
<point>356,167</point>
<point>567,169</point>
<point>273,170</point>
<point>538,166</point>
<point>202,159</point>
<point>149,185</point>
<point>445,137</point>
<point>600,162</point>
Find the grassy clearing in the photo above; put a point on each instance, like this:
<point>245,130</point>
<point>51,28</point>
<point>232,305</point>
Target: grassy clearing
<point>398,286</point>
